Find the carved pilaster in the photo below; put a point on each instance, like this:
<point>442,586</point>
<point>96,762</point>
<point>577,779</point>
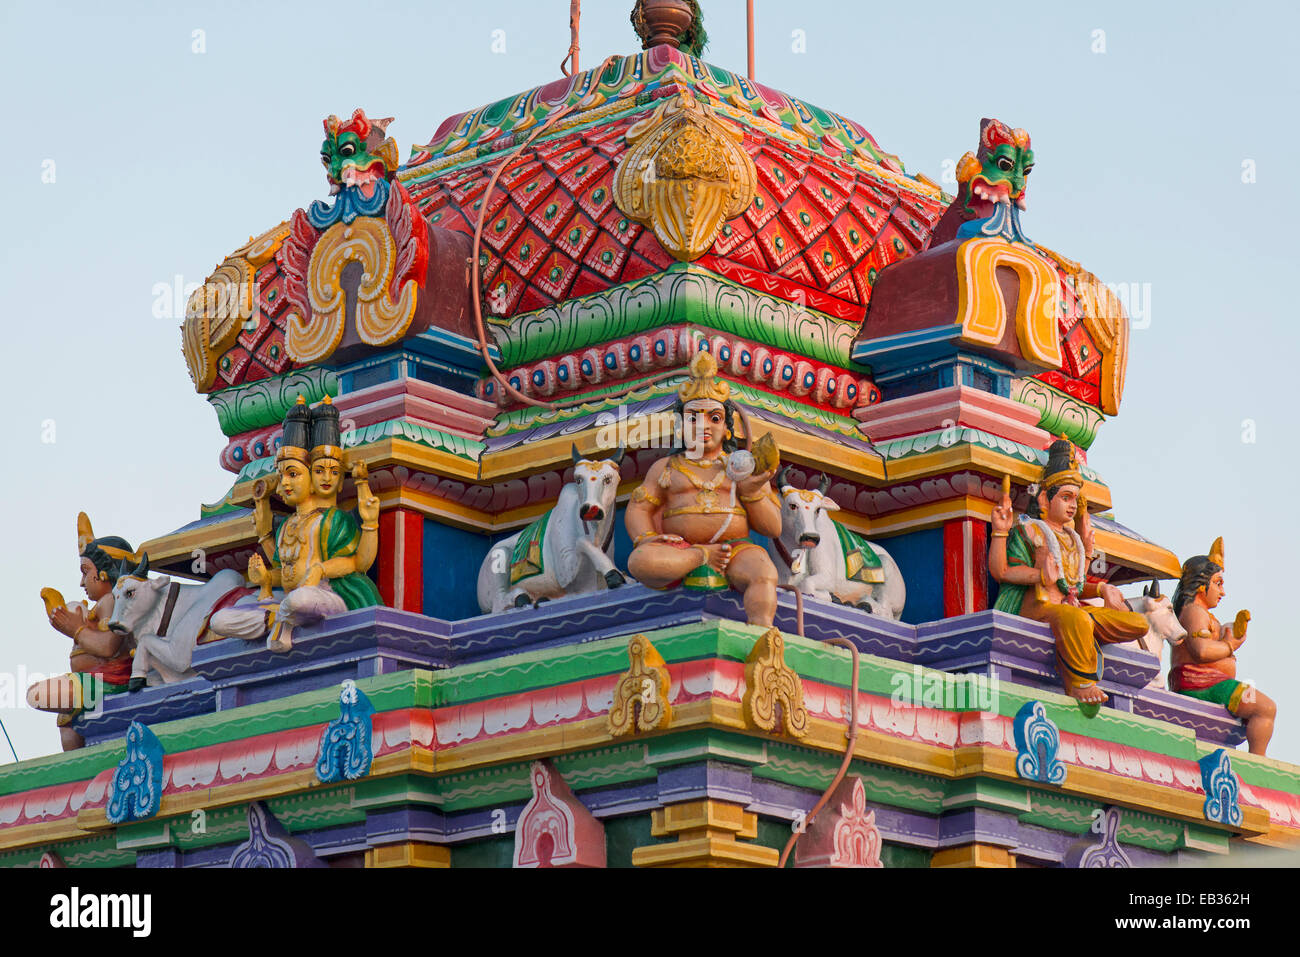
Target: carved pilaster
<point>707,835</point>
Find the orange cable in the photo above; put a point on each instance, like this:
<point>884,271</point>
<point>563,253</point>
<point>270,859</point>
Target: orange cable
<point>848,752</point>
<point>569,65</point>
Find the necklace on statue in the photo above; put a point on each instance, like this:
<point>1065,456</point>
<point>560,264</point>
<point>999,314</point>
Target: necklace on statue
<point>707,495</point>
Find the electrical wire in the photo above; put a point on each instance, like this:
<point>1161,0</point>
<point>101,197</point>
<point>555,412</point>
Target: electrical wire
<point>11,744</point>
<point>848,751</point>
<point>569,65</point>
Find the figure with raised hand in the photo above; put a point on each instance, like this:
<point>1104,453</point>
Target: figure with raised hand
<point>321,553</point>
<point>1041,561</point>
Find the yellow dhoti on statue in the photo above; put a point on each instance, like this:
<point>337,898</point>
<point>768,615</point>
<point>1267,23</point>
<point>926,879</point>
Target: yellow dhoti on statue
<point>1078,629</point>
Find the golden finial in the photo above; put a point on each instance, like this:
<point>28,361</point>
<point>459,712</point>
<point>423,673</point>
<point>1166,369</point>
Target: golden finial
<point>1216,552</point>
<point>703,383</point>
<point>301,400</point>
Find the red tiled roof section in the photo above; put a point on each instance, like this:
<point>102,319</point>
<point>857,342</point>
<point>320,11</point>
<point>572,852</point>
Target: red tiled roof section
<point>817,229</point>
<point>259,352</point>
<point>818,232</point>
<point>1080,372</point>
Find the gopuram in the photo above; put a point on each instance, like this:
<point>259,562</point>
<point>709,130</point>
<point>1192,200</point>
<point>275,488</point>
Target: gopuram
<point>649,471</point>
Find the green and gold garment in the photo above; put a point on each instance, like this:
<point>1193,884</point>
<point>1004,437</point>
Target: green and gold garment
<point>337,535</point>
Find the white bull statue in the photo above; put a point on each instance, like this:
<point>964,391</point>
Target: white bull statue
<point>166,619</point>
<point>568,551</point>
<point>1164,626</point>
<point>825,560</point>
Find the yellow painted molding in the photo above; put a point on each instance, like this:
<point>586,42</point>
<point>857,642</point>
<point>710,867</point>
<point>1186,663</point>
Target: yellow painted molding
<point>973,855</point>
<point>707,850</point>
<point>408,854</point>
<point>707,832</point>
<point>706,814</point>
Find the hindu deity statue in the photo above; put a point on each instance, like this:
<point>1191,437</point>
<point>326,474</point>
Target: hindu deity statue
<point>1204,664</point>
<point>1042,563</point>
<point>691,518</point>
<point>320,554</point>
<point>100,659</point>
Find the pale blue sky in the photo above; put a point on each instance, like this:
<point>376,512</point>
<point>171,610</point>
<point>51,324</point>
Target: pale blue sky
<point>166,160</point>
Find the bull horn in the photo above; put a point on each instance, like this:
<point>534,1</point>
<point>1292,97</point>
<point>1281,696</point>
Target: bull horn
<point>142,570</point>
<point>824,484</point>
<point>783,476</point>
<point>576,457</point>
<point>618,456</point>
<point>1155,588</point>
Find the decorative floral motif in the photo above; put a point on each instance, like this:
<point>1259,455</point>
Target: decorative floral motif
<point>1222,789</point>
<point>136,789</point>
<point>641,696</point>
<point>856,840</point>
<point>261,849</point>
<point>1106,852</point>
<point>227,308</point>
<point>770,683</point>
<point>555,829</point>
<point>1037,742</point>
<point>380,319</point>
<point>345,748</point>
<point>684,175</point>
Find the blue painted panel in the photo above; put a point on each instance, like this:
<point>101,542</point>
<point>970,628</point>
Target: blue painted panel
<point>406,363</point>
<point>451,560</point>
<point>920,558</point>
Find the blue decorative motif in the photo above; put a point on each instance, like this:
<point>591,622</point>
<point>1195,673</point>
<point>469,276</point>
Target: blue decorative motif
<point>261,849</point>
<point>348,204</point>
<point>345,752</point>
<point>1004,222</point>
<point>1221,788</point>
<point>136,789</point>
<point>1037,741</point>
<point>1106,852</point>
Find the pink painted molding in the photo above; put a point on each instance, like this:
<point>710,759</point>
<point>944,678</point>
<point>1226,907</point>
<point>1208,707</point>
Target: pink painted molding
<point>412,400</point>
<point>956,405</point>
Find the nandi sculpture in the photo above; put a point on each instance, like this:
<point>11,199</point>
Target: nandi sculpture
<point>568,551</point>
<point>825,560</point>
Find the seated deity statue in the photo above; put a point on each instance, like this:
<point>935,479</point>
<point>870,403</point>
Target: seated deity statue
<point>1204,664</point>
<point>100,660</point>
<point>1041,561</point>
<point>690,520</point>
<point>320,554</point>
